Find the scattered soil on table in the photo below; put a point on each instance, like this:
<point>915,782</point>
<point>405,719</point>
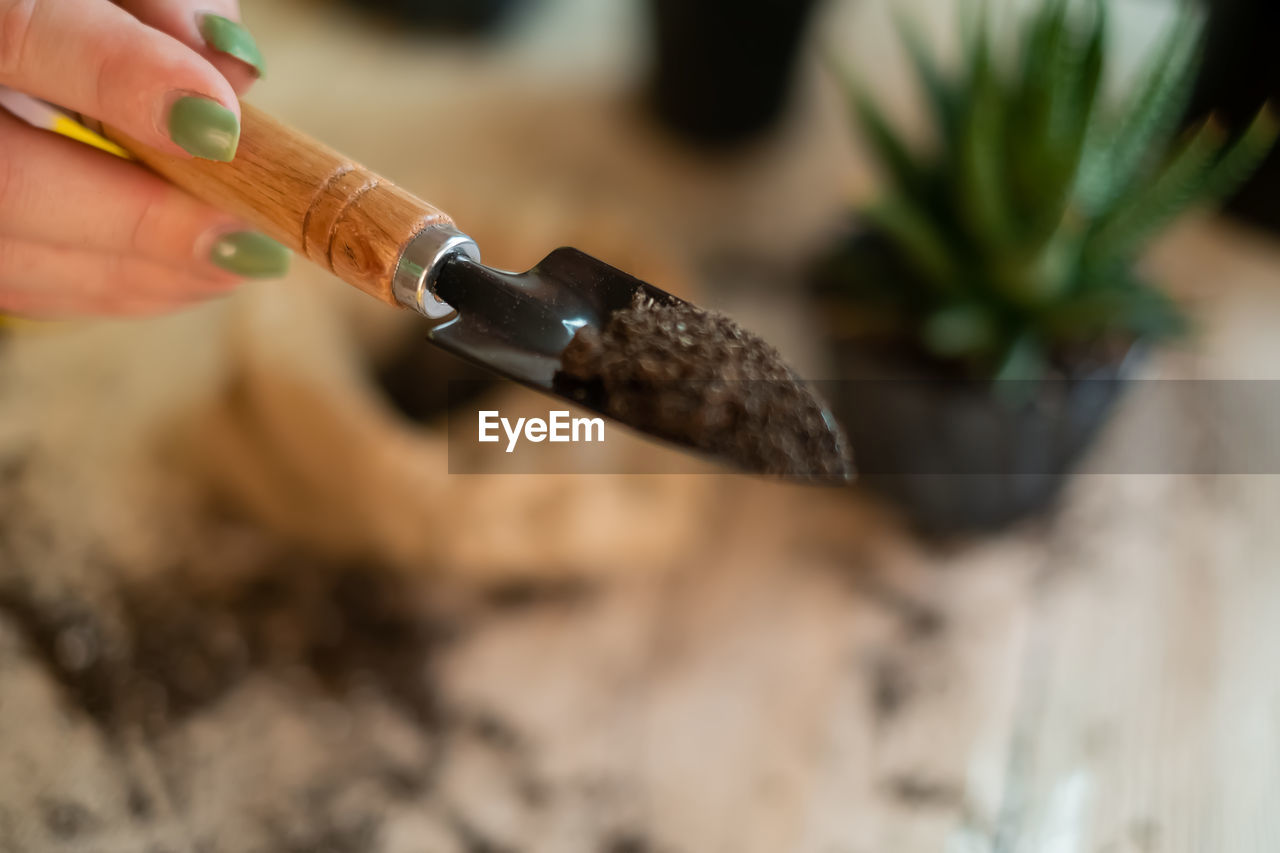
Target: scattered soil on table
<point>892,688</point>
<point>150,655</point>
<point>699,379</point>
<point>171,666</point>
<point>919,792</point>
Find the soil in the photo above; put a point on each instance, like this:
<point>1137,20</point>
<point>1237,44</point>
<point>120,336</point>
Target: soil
<point>699,379</point>
<point>148,656</point>
<point>157,663</point>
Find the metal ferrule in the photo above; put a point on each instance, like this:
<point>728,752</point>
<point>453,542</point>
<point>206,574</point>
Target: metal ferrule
<point>414,283</point>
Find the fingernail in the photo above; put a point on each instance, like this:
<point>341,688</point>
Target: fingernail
<point>233,39</point>
<point>204,128</point>
<point>251,254</point>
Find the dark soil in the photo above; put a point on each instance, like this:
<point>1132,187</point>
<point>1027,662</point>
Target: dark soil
<point>154,660</point>
<point>154,654</point>
<point>696,378</point>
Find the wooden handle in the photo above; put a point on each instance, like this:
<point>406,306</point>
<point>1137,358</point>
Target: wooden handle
<point>310,198</point>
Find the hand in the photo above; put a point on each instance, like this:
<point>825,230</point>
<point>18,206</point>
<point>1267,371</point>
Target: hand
<point>82,232</point>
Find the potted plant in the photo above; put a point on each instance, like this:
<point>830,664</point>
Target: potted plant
<point>986,310</point>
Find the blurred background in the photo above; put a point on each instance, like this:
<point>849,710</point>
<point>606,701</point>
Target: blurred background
<point>245,606</point>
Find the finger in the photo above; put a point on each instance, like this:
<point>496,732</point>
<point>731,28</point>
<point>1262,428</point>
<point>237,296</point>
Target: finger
<point>212,28</point>
<point>95,58</point>
<point>38,280</point>
<point>53,190</point>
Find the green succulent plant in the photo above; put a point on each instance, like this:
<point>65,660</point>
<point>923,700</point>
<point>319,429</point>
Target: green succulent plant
<point>1016,232</point>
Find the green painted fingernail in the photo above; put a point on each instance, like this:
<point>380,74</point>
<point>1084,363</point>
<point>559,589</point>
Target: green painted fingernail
<point>251,254</point>
<point>204,128</point>
<point>233,39</point>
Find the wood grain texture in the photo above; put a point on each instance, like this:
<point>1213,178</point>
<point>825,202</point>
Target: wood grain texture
<point>312,199</point>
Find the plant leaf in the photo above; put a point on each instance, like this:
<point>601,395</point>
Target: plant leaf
<point>1114,159</point>
<point>919,241</point>
<point>1118,238</point>
<point>1071,112</point>
<point>960,330</point>
<point>1241,159</point>
<point>886,145</point>
<point>1054,102</point>
<point>938,91</point>
<point>1021,363</point>
<point>1136,308</point>
<point>979,191</point>
<point>1030,118</point>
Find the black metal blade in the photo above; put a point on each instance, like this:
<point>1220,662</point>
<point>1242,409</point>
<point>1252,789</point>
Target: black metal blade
<point>518,324</point>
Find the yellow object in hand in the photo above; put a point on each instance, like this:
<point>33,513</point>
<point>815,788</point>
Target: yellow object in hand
<point>72,129</point>
<point>39,114</point>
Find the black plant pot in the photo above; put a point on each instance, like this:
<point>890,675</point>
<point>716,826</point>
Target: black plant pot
<point>723,68</point>
<point>962,456</point>
<point>460,16</point>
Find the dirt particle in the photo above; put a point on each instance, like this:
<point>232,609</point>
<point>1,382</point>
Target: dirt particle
<point>139,803</point>
<point>925,793</point>
<point>627,841</point>
<point>699,379</point>
<point>533,792</point>
<point>76,647</point>
<point>891,688</point>
<point>525,594</point>
<point>89,682</point>
<point>321,834</point>
<point>67,819</point>
<point>472,840</point>
<point>925,623</point>
<point>496,732</point>
<point>404,783</point>
<point>920,620</point>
